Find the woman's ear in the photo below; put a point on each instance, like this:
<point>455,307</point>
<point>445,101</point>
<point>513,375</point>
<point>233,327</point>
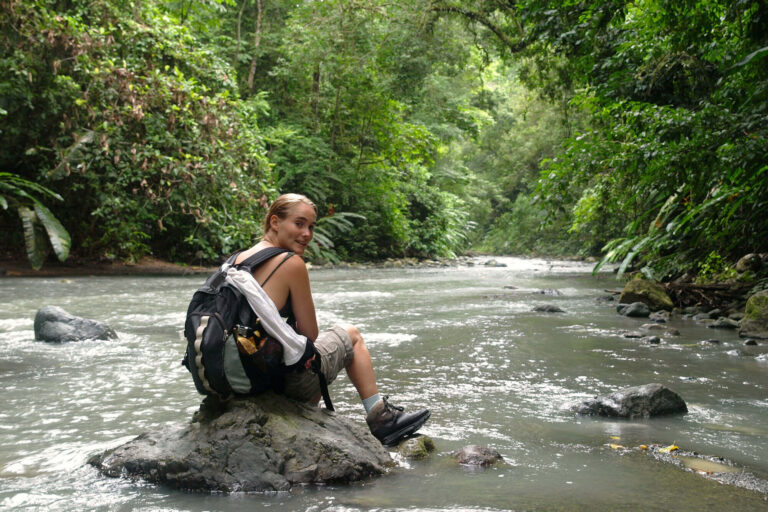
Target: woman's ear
<point>274,222</point>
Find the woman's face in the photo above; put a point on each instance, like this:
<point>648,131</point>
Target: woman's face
<point>295,231</point>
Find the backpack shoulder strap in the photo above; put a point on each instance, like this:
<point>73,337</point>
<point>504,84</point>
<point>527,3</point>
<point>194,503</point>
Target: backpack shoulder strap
<point>260,257</point>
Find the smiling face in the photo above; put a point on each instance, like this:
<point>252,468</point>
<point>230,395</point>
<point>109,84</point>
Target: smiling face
<point>295,230</point>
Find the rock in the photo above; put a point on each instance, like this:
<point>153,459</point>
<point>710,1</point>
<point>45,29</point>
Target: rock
<point>709,342</point>
<point>715,313</point>
<point>724,323</point>
<point>549,291</point>
<point>652,340</point>
<point>548,308</point>
<point>53,324</point>
<point>667,331</point>
<point>694,310</point>
<point>755,322</point>
<point>702,317</point>
<point>476,455</point>
<point>639,401</point>
<point>660,317</point>
<point>636,309</point>
<point>750,262</point>
<point>738,316</point>
<point>649,293</point>
<point>509,287</point>
<point>632,334</point>
<point>605,298</point>
<point>494,263</point>
<point>256,444</point>
<point>417,447</point>
<point>750,343</point>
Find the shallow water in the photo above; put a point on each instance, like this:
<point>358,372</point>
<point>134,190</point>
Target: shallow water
<point>453,339</point>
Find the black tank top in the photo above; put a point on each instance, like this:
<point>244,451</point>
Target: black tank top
<point>287,310</point>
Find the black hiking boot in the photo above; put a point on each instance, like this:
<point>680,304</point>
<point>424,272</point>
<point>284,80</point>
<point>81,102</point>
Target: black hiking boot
<point>389,424</point>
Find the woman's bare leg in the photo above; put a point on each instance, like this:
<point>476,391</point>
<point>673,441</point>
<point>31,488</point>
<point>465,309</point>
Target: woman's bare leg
<point>360,370</point>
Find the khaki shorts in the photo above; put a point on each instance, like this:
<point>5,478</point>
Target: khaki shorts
<point>334,347</point>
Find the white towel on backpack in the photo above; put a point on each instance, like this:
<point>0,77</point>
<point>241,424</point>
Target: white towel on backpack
<point>293,342</point>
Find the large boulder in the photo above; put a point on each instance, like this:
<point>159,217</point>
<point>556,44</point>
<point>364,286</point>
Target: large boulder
<point>749,262</point>
<point>647,292</point>
<point>638,401</point>
<point>56,325</point>
<point>256,444</point>
<point>755,321</point>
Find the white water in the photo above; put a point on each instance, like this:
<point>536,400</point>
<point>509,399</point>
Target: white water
<point>452,339</point>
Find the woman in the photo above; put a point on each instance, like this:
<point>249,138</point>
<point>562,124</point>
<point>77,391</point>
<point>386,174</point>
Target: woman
<point>289,224</point>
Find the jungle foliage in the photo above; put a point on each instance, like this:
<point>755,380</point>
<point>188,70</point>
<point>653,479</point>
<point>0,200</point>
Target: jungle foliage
<point>629,130</point>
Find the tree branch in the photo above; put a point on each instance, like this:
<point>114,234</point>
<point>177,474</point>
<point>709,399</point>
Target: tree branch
<point>514,46</point>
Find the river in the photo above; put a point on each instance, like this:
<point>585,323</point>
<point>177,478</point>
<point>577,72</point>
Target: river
<point>453,339</point>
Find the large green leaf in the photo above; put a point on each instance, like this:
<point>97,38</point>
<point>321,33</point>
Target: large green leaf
<point>33,237</point>
<point>58,236</point>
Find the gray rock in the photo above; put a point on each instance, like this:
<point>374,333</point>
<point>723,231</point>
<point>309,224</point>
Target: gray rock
<point>606,298</point>
<point>724,323</point>
<point>694,310</point>
<point>709,342</point>
<point>750,343</point>
<point>715,313</point>
<point>738,316</point>
<point>632,334</point>
<point>755,322</point>
<point>660,317</point>
<point>639,401</point>
<point>53,324</point>
<point>652,340</point>
<point>701,317</point>
<point>750,262</point>
<point>636,309</point>
<point>476,455</point>
<point>548,308</point>
<point>549,291</point>
<point>257,444</point>
<point>494,263</point>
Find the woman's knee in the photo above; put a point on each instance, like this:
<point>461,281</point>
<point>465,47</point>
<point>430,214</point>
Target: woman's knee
<point>354,334</point>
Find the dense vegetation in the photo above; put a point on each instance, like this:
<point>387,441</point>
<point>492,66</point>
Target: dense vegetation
<point>631,130</point>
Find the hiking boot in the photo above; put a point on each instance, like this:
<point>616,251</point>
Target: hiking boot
<point>388,423</point>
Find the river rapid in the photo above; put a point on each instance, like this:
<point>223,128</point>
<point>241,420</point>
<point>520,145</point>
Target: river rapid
<point>453,339</point>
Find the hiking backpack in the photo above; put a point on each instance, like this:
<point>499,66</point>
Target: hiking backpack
<point>228,353</point>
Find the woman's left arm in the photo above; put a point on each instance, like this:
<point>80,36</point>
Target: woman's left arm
<point>301,298</point>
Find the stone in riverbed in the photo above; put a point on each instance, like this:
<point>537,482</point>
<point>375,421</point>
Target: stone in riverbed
<point>635,310</point>
<point>638,401</point>
<point>724,323</point>
<point>755,322</point>
<point>419,447</point>
<point>257,444</point>
<point>647,292</point>
<point>476,455</point>
<point>548,308</point>
<point>55,325</point>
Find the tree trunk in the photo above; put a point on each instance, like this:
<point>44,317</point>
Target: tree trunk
<point>256,41</point>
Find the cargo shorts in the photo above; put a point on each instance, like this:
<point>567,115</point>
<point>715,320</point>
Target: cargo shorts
<point>334,347</point>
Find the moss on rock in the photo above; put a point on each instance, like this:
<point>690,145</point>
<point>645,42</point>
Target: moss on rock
<point>755,322</point>
<point>647,292</point>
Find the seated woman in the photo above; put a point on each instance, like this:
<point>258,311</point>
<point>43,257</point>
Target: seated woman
<point>289,224</point>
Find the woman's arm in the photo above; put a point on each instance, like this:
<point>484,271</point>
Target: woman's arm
<point>297,278</point>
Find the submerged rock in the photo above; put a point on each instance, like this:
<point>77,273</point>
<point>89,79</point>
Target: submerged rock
<point>419,447</point>
<point>263,443</point>
<point>548,308</point>
<point>636,310</point>
<point>476,455</point>
<point>724,323</point>
<point>755,322</point>
<point>638,401</point>
<point>53,324</point>
<point>649,293</point>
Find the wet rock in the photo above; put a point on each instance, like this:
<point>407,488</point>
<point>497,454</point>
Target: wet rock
<point>638,401</point>
<point>724,323</point>
<point>750,343</point>
<point>632,334</point>
<point>257,444</point>
<point>606,298</point>
<point>701,317</point>
<point>709,342</point>
<point>651,340</point>
<point>750,262</point>
<point>419,447</point>
<point>755,322</point>
<point>509,287</point>
<point>549,291</point>
<point>660,317</point>
<point>715,313</point>
<point>636,310</point>
<point>694,310</point>
<point>647,292</point>
<point>548,308</point>
<point>714,468</point>
<point>53,324</point>
<point>738,316</point>
<point>668,331</point>
<point>494,263</point>
<point>476,455</point>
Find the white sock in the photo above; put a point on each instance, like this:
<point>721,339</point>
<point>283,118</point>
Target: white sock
<point>369,402</point>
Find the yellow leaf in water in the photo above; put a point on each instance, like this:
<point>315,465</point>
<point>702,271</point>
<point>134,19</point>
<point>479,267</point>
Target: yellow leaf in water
<point>617,446</point>
<point>615,437</point>
<point>643,447</point>
<point>669,449</point>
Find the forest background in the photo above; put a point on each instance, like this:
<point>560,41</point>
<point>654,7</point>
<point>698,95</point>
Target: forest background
<point>634,131</point>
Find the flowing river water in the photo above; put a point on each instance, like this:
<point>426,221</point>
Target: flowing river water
<point>453,339</point>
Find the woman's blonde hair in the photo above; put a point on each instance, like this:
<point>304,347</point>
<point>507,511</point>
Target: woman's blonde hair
<point>282,205</point>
